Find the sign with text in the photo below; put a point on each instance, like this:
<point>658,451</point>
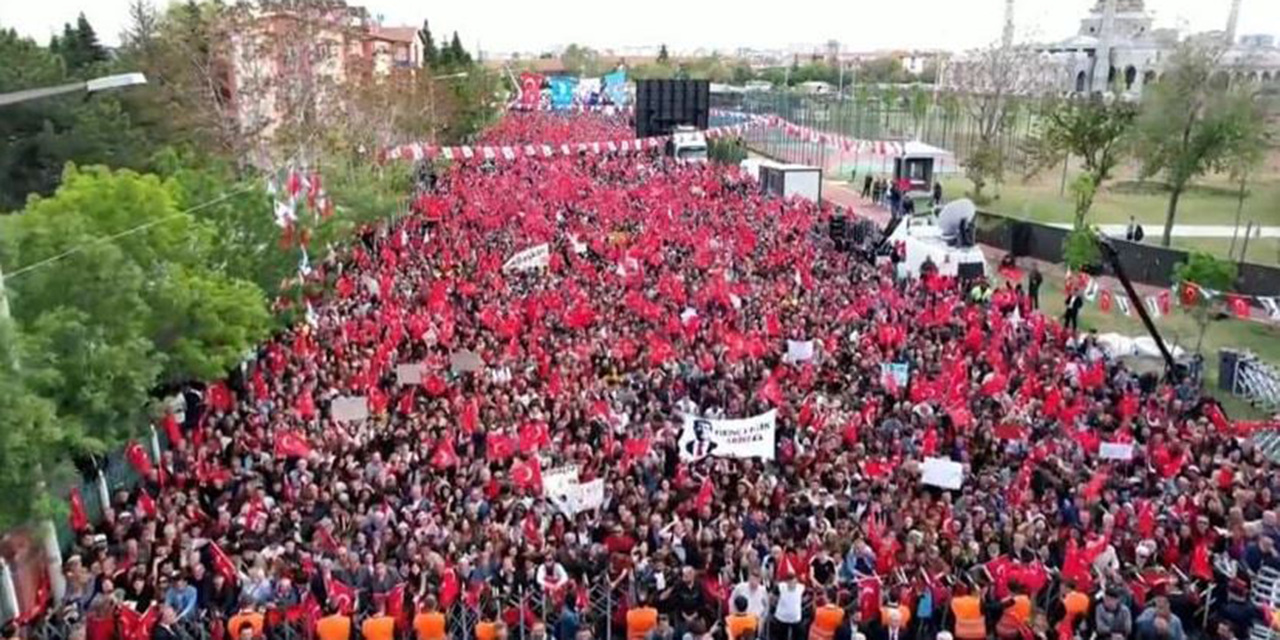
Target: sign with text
<point>532,258</point>
<point>742,438</point>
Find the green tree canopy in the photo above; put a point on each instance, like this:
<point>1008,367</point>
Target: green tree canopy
<point>1189,125</point>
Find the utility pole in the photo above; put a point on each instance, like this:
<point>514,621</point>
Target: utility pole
<point>1233,21</point>
<point>1007,39</point>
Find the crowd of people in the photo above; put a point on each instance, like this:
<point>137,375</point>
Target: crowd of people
<point>673,289</point>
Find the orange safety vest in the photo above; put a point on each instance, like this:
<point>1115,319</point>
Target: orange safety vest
<point>1022,608</point>
<point>826,619</point>
<point>970,624</point>
<point>739,623</point>
<point>486,630</point>
<point>335,627</point>
<point>429,625</point>
<point>640,621</point>
<point>379,628</point>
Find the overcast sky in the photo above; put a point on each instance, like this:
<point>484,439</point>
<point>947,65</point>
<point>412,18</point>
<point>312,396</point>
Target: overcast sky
<point>860,25</point>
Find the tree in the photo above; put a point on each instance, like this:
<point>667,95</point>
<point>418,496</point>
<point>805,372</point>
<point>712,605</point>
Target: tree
<point>144,26</point>
<point>663,56</point>
<point>457,53</point>
<point>122,296</point>
<point>78,46</point>
<point>579,60</point>
<point>992,81</point>
<point>1246,151</point>
<point>34,440</point>
<point>1093,129</point>
<point>1206,272</point>
<point>1189,126</point>
<point>430,56</point>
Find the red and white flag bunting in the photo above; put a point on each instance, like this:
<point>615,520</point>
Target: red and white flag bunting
<point>420,151</point>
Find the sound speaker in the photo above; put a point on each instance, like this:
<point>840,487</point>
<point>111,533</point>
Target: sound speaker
<point>969,270</point>
<point>1227,361</point>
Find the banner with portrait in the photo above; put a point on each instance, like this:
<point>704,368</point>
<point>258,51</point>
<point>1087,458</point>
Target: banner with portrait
<point>741,438</point>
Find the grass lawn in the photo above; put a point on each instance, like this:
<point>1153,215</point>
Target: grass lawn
<point>1212,204</point>
<point>1181,329</point>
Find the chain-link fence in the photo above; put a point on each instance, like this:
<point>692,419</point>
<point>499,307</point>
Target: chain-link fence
<point>900,113</point>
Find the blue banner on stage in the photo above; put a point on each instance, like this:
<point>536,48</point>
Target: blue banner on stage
<point>562,89</point>
<point>615,86</point>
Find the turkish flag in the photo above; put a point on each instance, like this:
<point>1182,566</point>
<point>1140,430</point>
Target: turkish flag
<point>500,446</point>
<point>395,606</point>
<point>444,456</point>
<point>341,597</point>
<point>220,398</point>
<point>305,406</point>
<point>291,444</point>
<point>527,474</point>
<point>1105,301</point>
<point>79,519</point>
<point>1240,307</point>
<point>222,563</point>
<point>470,416</point>
<point>1009,431</point>
<point>1200,564</point>
<point>960,416</point>
<point>138,459</point>
<point>705,493</point>
<point>1165,302</point>
<point>1189,294</point>
<point>147,504</point>
<point>869,598</point>
<point>533,437</point>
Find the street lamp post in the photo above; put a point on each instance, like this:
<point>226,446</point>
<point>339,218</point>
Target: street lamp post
<point>105,83</point>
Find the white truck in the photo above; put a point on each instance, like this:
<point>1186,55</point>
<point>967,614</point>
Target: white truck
<point>687,143</point>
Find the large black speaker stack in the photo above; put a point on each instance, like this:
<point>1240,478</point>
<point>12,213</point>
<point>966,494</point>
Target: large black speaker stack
<point>662,105</point>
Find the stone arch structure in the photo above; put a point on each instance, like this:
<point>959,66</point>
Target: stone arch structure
<point>1148,77</point>
<point>1082,80</point>
<point>1266,77</point>
<point>1130,77</point>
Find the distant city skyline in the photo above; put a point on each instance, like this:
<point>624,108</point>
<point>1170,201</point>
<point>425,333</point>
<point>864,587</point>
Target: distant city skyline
<point>521,26</point>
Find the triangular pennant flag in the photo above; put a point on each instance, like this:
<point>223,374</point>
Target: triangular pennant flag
<point>1091,290</point>
<point>1153,306</point>
<point>1104,301</point>
<point>1123,303</point>
<point>1271,306</point>
<point>1240,306</point>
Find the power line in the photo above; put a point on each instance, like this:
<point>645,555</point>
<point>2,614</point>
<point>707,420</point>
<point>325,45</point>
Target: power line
<point>128,232</point>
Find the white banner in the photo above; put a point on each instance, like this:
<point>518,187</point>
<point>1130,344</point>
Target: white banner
<point>743,438</point>
<point>555,482</point>
<point>581,496</point>
<point>561,488</point>
<point>349,408</point>
<point>1116,451</point>
<point>799,351</point>
<point>532,258</point>
<point>942,472</point>
<point>409,373</point>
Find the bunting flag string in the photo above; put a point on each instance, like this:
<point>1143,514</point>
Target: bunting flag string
<point>418,151</point>
<point>1161,304</point>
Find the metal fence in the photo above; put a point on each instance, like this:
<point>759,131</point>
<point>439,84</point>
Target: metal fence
<point>933,118</point>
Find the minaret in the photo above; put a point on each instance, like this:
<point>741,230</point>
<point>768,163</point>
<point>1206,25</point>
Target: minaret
<point>1232,21</point>
<point>1007,40</point>
<point>1102,57</point>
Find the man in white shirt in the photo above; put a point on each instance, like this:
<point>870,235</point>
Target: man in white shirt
<point>756,594</point>
<point>789,611</point>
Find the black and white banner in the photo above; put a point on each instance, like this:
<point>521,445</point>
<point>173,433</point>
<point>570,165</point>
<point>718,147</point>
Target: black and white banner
<point>532,258</point>
<point>743,438</point>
